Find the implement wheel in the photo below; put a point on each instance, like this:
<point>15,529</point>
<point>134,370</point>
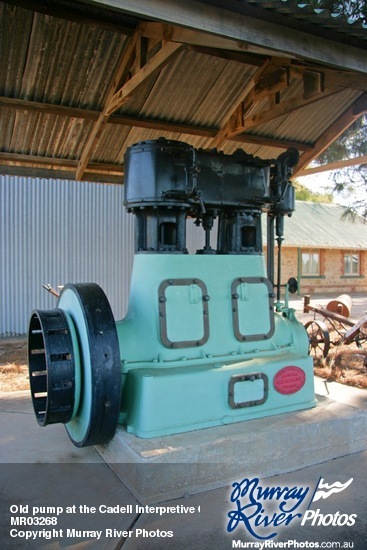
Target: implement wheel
<point>319,338</point>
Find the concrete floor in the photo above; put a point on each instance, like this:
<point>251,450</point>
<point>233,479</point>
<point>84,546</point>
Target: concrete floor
<point>40,467</point>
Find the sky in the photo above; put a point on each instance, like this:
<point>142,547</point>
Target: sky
<point>323,183</point>
<point>317,183</point>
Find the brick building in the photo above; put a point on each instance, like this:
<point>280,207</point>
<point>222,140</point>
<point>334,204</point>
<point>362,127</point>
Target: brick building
<point>325,251</point>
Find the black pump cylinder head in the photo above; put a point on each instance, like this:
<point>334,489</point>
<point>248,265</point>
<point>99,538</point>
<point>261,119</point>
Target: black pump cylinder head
<point>174,174</point>
<point>169,181</point>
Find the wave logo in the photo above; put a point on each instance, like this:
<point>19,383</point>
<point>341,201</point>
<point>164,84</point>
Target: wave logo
<point>324,490</point>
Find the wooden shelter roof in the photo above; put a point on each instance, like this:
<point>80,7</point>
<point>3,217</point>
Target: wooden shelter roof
<point>82,81</point>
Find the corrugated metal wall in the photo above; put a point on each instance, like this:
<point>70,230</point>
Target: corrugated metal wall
<point>56,231</point>
<point>59,231</point>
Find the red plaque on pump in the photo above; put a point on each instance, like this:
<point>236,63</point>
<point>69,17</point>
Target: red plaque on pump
<point>289,380</point>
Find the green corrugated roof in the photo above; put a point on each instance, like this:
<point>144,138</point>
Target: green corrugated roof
<point>319,225</point>
<point>303,12</point>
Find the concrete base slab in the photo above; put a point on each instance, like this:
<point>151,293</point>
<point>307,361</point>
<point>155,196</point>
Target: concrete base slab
<point>172,466</point>
<point>23,441</point>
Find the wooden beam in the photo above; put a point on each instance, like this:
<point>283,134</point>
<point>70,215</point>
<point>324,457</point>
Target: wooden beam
<point>240,21</point>
<point>163,125</point>
<point>356,161</point>
<point>58,173</point>
<point>223,133</point>
<point>48,108</point>
<point>202,42</point>
<point>313,83</point>
<point>142,122</point>
<point>331,76</point>
<point>120,75</point>
<point>11,159</point>
<point>281,109</point>
<point>251,59</point>
<point>345,79</point>
<point>339,126</point>
<point>270,83</point>
<point>155,64</point>
<point>272,142</point>
<point>64,110</point>
<point>116,97</point>
<point>190,130</point>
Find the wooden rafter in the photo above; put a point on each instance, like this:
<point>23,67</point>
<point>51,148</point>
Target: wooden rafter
<point>117,96</point>
<point>351,114</point>
<point>337,165</point>
<point>154,65</point>
<point>243,23</point>
<point>276,111</point>
<point>61,173</point>
<point>48,108</point>
<point>268,82</point>
<point>272,142</point>
<point>143,122</point>
<point>202,42</point>
<point>223,133</point>
<point>39,166</point>
<point>120,75</point>
<point>331,76</point>
<point>8,159</point>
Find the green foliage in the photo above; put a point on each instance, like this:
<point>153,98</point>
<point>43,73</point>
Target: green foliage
<point>350,183</point>
<point>352,143</point>
<point>304,194</point>
<point>354,10</point>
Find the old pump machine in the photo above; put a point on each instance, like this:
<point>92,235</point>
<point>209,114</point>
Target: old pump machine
<point>206,340</point>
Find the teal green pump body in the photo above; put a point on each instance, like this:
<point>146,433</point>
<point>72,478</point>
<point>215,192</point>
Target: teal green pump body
<point>235,346</point>
<point>207,340</point>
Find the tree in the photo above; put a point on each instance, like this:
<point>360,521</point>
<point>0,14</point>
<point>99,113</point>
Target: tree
<point>304,194</point>
<point>350,183</point>
<point>354,10</point>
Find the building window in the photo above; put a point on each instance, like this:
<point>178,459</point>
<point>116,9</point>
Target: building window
<point>311,263</point>
<point>351,264</point>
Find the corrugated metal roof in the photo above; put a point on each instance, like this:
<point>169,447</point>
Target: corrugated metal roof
<point>59,65</point>
<point>47,56</point>
<point>317,225</point>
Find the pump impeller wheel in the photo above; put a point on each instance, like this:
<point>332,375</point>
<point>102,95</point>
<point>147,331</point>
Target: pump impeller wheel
<point>100,380</point>
<point>74,365</point>
<point>319,338</point>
